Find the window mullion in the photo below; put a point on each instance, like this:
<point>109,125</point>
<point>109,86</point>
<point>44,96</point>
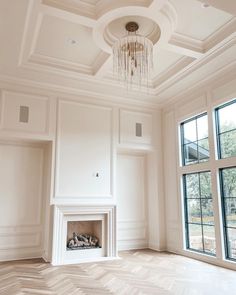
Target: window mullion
<point>214,182</point>
<point>200,198</point>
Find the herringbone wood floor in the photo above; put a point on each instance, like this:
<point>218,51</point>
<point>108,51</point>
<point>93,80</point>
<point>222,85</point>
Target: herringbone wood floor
<point>139,272</point>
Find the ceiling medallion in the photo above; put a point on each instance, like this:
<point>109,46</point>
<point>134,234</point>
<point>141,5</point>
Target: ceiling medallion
<point>133,57</point>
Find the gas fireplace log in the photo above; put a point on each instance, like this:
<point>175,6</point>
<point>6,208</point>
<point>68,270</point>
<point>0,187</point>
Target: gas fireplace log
<point>82,241</point>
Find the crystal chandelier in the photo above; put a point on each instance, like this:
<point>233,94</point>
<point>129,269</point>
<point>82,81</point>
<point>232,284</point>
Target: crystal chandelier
<point>133,57</point>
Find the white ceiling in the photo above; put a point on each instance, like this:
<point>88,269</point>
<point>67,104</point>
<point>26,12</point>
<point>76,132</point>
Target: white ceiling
<point>197,22</point>
<point>163,59</point>
<point>68,42</point>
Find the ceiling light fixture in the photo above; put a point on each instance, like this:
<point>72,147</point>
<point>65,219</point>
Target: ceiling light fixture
<point>133,57</point>
<point>72,41</point>
<point>205,5</point>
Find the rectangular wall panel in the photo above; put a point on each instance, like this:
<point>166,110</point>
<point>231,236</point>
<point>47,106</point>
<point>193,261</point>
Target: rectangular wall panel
<point>25,112</point>
<point>131,201</point>
<point>135,127</point>
<point>21,199</point>
<point>84,151</point>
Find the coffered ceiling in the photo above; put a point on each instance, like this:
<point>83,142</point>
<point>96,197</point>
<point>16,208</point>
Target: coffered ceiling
<point>67,43</point>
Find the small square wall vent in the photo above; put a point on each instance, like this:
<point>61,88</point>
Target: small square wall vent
<point>138,130</point>
<point>24,114</point>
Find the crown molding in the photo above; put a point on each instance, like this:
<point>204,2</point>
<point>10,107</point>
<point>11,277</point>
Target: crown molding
<point>227,73</point>
<point>79,8</point>
<point>193,47</point>
<point>195,65</point>
<point>93,95</point>
<point>56,63</point>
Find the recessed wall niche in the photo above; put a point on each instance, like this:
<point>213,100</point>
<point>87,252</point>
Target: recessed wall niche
<point>24,197</point>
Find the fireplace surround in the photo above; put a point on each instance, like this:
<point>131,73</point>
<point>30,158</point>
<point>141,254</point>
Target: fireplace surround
<point>97,221</point>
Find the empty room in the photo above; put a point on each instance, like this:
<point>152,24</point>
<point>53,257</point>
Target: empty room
<point>118,147</point>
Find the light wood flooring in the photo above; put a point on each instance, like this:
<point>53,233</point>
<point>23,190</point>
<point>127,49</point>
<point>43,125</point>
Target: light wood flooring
<point>138,272</point>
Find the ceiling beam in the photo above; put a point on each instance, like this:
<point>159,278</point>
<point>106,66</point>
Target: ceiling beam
<point>68,16</point>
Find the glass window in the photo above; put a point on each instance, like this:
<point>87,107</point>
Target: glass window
<point>226,130</point>
<point>228,194</point>
<point>199,219</point>
<point>195,146</point>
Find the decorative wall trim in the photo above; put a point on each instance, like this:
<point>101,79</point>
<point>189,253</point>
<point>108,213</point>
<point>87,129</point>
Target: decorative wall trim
<point>29,97</point>
<point>81,197</point>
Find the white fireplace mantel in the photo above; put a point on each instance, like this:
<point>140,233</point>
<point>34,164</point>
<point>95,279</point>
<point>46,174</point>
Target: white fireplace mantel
<point>65,213</point>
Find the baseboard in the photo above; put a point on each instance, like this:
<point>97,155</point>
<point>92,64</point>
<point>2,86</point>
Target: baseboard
<point>22,254</point>
<point>131,245</point>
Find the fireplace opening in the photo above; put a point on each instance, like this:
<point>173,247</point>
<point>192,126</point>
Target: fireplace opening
<point>82,235</point>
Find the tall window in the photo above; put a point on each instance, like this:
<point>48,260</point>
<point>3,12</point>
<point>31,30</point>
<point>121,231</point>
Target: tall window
<point>226,142</point>
<point>199,219</point>
<point>198,199</point>
<point>195,147</point>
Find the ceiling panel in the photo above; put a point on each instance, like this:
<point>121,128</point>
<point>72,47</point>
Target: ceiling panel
<point>12,20</point>
<point>164,59</point>
<point>67,41</point>
<point>197,22</point>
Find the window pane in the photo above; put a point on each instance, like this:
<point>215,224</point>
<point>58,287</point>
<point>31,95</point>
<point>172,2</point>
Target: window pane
<point>207,211</point>
<point>190,131</point>
<point>229,182</point>
<point>190,154</point>
<point>232,243</point>
<point>230,212</point>
<point>205,183</point>
<point>203,150</point>
<point>227,118</point>
<point>228,144</point>
<point>192,186</point>
<point>228,190</point>
<point>202,127</point>
<point>209,239</point>
<point>199,210</point>
<point>194,211</point>
<point>195,237</point>
<point>195,146</point>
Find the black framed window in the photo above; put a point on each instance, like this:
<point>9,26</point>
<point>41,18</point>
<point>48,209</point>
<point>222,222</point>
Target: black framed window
<point>228,194</point>
<point>199,218</point>
<point>226,130</point>
<point>194,140</point>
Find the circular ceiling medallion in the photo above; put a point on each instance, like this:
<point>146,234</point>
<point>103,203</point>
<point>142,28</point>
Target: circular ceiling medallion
<point>116,29</point>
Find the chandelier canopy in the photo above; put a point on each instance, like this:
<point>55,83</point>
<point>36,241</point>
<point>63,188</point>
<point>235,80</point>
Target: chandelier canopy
<point>133,57</point>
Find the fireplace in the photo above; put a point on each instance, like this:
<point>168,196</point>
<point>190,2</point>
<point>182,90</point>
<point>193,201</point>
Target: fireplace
<point>83,234</point>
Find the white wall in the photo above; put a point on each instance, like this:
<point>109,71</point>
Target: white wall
<point>84,151</point>
<point>193,103</point>
<point>84,137</point>
<point>131,201</point>
<point>22,200</point>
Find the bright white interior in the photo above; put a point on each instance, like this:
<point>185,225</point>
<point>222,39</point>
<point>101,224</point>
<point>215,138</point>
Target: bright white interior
<point>92,149</point>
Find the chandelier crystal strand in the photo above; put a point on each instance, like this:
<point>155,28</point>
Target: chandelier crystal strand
<point>133,58</point>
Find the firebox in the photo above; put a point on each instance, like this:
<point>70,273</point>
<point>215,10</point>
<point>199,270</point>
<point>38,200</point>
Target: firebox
<point>84,235</point>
